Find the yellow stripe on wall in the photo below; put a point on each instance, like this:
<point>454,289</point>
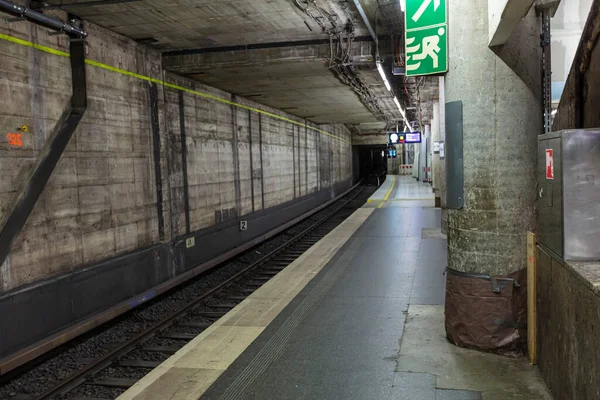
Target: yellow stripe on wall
<point>97,64</point>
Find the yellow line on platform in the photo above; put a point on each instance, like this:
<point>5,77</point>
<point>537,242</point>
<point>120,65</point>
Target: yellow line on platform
<point>396,200</point>
<point>195,367</point>
<point>389,192</point>
<point>97,64</point>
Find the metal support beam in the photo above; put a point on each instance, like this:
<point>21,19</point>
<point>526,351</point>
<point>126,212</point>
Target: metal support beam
<point>262,165</point>
<point>155,125</point>
<point>546,44</point>
<point>39,174</point>
<point>184,170</point>
<point>266,45</point>
<point>365,19</point>
<point>251,159</point>
<point>41,19</point>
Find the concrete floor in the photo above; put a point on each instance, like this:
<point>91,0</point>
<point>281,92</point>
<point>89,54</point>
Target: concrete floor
<point>402,191</point>
<point>349,318</point>
<point>426,356</point>
<point>194,368</point>
<point>360,316</point>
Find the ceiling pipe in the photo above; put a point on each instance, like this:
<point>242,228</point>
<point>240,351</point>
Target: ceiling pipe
<point>41,19</point>
<point>44,6</point>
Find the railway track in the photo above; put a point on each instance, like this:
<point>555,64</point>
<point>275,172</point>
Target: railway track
<point>126,361</point>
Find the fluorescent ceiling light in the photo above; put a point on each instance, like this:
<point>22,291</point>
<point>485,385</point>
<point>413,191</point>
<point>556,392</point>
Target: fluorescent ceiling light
<point>380,69</point>
<point>387,85</point>
<point>382,73</point>
<point>403,114</point>
<point>399,107</point>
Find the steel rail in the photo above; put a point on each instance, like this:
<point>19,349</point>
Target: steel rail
<point>82,375</point>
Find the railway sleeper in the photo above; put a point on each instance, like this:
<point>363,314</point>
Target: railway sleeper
<point>279,263</point>
<point>271,271</point>
<point>235,298</point>
<point>210,314</point>
<point>258,279</point>
<point>194,324</point>
<point>179,336</point>
<point>253,286</point>
<point>267,275</point>
<point>70,398</point>
<point>161,349</point>
<point>123,383</point>
<point>139,363</point>
<point>227,306</point>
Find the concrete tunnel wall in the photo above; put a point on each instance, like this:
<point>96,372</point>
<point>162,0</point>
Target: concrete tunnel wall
<point>101,201</point>
<point>291,168</point>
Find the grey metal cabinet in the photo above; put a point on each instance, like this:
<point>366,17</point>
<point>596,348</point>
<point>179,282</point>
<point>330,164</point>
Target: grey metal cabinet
<point>569,193</point>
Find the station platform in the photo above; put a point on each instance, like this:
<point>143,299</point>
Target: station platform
<point>402,191</point>
<point>358,316</point>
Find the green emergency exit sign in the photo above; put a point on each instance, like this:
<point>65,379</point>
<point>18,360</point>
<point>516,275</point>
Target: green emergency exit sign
<point>426,37</point>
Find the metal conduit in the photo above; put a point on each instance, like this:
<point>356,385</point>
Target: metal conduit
<point>84,4</point>
<point>365,19</point>
<point>41,19</point>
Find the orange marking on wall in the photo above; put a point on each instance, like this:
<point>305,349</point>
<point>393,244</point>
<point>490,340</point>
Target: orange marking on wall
<point>15,139</point>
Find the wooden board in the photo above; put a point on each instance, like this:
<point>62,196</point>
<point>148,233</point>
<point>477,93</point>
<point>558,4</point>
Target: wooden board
<point>531,297</point>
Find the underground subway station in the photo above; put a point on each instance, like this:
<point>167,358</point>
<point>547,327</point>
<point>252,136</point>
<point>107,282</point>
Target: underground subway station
<point>300,199</point>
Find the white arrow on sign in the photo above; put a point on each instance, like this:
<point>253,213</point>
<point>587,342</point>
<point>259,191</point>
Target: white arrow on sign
<point>421,10</point>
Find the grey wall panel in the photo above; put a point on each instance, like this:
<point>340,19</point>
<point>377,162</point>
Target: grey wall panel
<point>211,243</point>
<point>568,201</point>
<point>33,313</point>
<point>454,155</point>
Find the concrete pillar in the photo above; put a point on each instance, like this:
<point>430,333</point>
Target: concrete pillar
<point>500,91</point>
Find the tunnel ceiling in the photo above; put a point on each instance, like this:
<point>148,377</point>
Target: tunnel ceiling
<point>190,24</point>
<point>270,51</point>
<point>306,89</point>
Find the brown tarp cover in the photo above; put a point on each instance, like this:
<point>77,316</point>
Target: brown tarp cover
<point>478,318</point>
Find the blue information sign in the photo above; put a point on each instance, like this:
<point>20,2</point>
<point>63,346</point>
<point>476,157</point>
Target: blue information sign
<point>412,137</point>
<point>399,138</point>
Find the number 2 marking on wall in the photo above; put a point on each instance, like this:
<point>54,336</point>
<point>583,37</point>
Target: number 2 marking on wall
<point>14,139</point>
